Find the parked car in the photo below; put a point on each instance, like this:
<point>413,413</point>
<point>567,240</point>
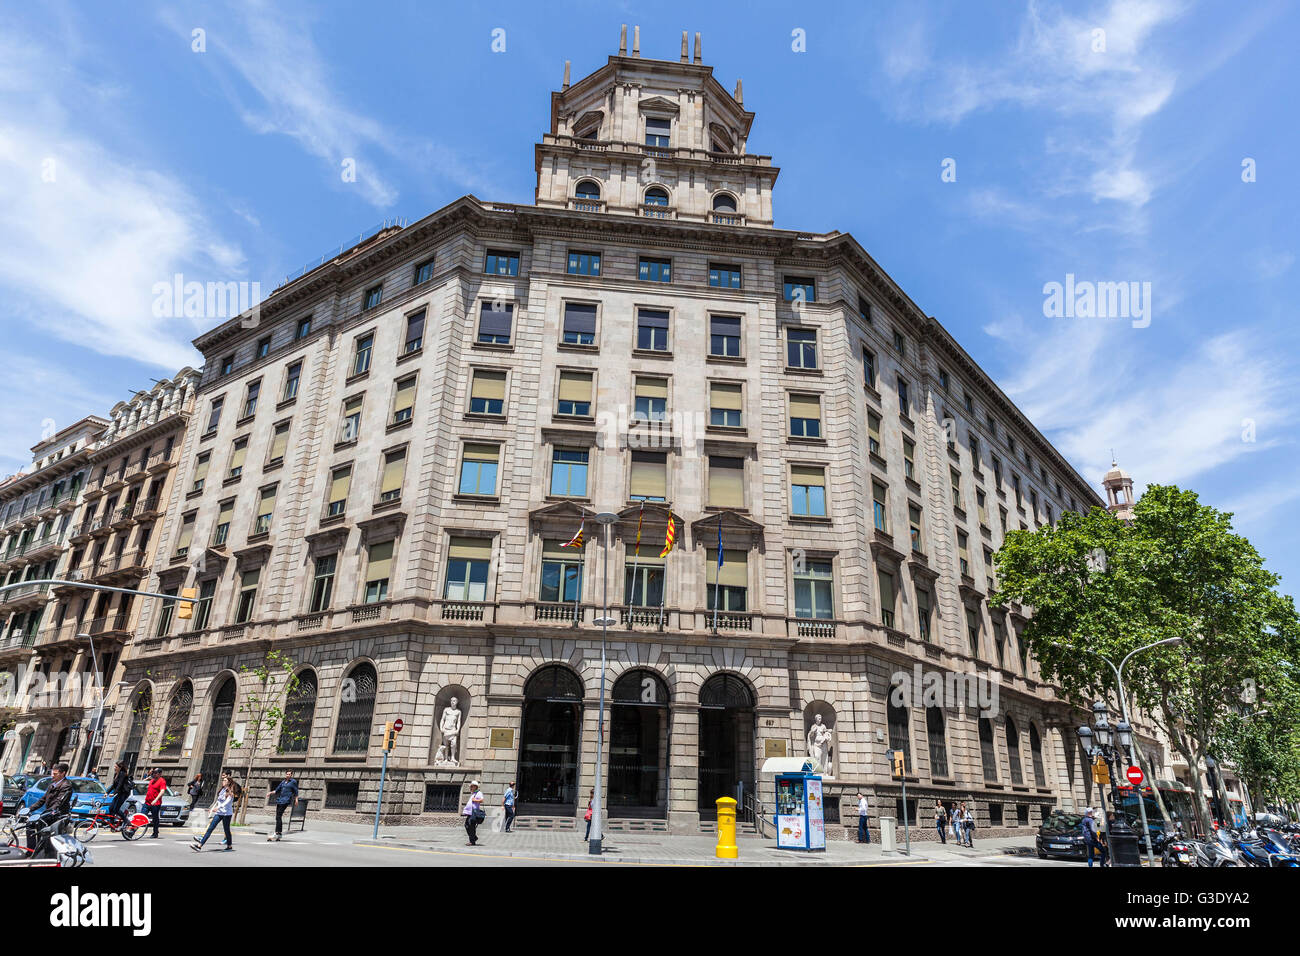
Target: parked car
<point>12,790</point>
<point>175,806</point>
<point>1061,835</point>
<point>86,799</point>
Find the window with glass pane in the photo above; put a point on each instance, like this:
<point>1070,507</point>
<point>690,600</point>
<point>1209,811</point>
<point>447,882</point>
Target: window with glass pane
<point>494,322</point>
<point>340,484</point>
<point>888,597</point>
<point>203,606</point>
<point>221,532</point>
<point>652,330</point>
<point>579,323</point>
<point>808,490</point>
<point>726,482</point>
<point>291,377</point>
<point>954,479</point>
<point>356,710</point>
<point>322,585</point>
<point>724,276</point>
<point>981,506</point>
<point>651,400</point>
<point>500,263</point>
<point>643,579</point>
<point>574,396</point>
<point>657,131</point>
<point>795,286</point>
<point>963,551</point>
<point>304,328</point>
<point>923,614</point>
<point>999,641</point>
<point>247,595</point>
<point>656,197</point>
<point>350,430</point>
<point>588,189</point>
<point>478,469</point>
<point>214,415</point>
<point>904,404</point>
<point>390,482</point>
<point>279,443</point>
<point>724,335</point>
<point>728,585</point>
<point>569,472</point>
<point>467,569</point>
<point>649,476</point>
<point>880,510</point>
<point>265,510</point>
<point>873,433</point>
<point>227,365</point>
<point>361,360</point>
<point>973,630</point>
<point>909,458</point>
<point>414,333</point>
<point>801,348</point>
<point>900,344</point>
<point>655,270</point>
<point>1015,484</point>
<point>900,735</point>
<point>812,590</point>
<point>403,401</point>
<point>914,523</point>
<point>988,756</point>
<point>373,296</point>
<point>805,416</point>
<point>869,367</point>
<point>561,573</point>
<point>300,708</point>
<point>238,452</point>
<point>725,404</point>
<point>487,392</point>
<point>379,566</point>
<point>423,272</point>
<point>250,399</point>
<point>166,612</point>
<point>584,263</point>
<point>201,471</point>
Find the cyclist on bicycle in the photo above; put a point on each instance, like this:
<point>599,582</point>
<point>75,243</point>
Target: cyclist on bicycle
<point>120,789</point>
<point>55,806</point>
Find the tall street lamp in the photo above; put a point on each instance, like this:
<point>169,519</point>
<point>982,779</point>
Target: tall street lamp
<point>604,518</point>
<point>99,711</point>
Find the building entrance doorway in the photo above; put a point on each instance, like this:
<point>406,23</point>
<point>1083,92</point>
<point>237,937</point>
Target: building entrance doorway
<point>549,742</point>
<point>727,730</point>
<point>214,747</point>
<point>638,746</point>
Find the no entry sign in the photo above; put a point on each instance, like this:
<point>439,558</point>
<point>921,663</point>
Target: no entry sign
<point>1134,775</point>
<point>397,726</point>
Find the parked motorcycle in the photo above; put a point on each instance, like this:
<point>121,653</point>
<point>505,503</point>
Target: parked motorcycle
<point>1220,851</point>
<point>1280,850</point>
<point>52,848</point>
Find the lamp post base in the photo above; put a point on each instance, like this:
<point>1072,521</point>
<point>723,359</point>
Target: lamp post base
<point>593,847</point>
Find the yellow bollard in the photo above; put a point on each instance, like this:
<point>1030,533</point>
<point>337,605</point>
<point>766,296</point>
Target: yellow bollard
<point>727,849</point>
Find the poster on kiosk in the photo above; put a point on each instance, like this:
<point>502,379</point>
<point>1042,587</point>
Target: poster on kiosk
<point>800,815</point>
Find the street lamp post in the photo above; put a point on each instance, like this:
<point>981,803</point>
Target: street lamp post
<point>99,711</point>
<point>605,519</point>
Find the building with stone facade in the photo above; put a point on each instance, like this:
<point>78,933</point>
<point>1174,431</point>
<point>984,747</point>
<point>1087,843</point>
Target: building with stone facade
<point>392,459</point>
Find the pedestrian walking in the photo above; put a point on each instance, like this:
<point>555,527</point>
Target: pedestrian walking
<point>954,821</point>
<point>508,803</point>
<point>590,800</point>
<point>153,798</point>
<point>286,796</point>
<point>120,788</point>
<point>1090,841</point>
<point>864,831</point>
<point>473,813</point>
<point>195,789</point>
<point>968,823</point>
<point>940,820</point>
<point>223,808</point>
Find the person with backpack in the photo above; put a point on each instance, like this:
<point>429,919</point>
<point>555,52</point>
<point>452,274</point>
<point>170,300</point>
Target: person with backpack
<point>120,789</point>
<point>473,813</point>
<point>195,789</point>
<point>223,808</point>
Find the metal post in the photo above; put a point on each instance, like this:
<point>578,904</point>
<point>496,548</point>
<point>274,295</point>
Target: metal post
<point>383,772</point>
<point>99,712</point>
<point>594,843</point>
<point>907,833</point>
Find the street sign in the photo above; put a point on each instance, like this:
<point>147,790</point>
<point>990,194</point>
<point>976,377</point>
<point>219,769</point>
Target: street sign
<point>1134,775</point>
<point>397,725</point>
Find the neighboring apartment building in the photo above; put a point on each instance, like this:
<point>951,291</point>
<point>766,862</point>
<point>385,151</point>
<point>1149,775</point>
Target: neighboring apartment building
<point>389,462</point>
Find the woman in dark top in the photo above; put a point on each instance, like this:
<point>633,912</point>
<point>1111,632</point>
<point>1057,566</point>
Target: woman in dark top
<point>120,788</point>
<point>194,789</point>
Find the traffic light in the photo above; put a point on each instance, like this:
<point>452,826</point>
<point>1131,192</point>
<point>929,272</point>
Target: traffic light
<point>185,607</point>
<point>390,735</point>
<point>899,768</point>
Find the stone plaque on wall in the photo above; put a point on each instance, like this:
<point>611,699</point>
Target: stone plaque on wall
<point>773,748</point>
<point>502,738</point>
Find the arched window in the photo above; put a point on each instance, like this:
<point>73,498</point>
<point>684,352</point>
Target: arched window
<point>938,746</point>
<point>553,682</point>
<point>587,189</point>
<point>726,691</point>
<point>1013,752</point>
<point>724,203</point>
<point>899,738</point>
<point>178,718</point>
<point>356,710</point>
<point>139,720</point>
<point>299,710</point>
<point>1036,755</point>
<point>988,755</point>
<point>654,196</point>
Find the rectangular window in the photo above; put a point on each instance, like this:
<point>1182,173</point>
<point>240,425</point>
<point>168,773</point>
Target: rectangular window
<point>904,405</point>
<point>403,400</point>
<point>914,524</point>
<point>478,469</point>
<point>869,367</point>
<point>923,614</point>
<point>569,472</point>
<point>238,451</point>
<point>494,323</point>
<point>728,585</point>
<point>265,511</point>
<point>579,323</point>
<point>373,297</point>
<point>379,565</point>
<point>981,506</point>
<point>574,398</point>
<point>888,597</point>
<point>467,569</point>
<point>247,595</point>
<point>263,347</point>
<point>880,506</point>
<point>808,490</point>
<point>187,535</point>
<point>1033,503</point>
<point>722,276</point>
<point>796,287</point>
<point>973,631</point>
<point>423,272</point>
<point>361,359</point>
<point>963,553</point>
<point>648,480</point>
<point>655,270</point>
<point>812,591</point>
<point>652,330</point>
<point>801,348</point>
<point>909,458</point>
<point>340,484</point>
<point>561,573</point>
<point>414,333</point>
<point>805,416</point>
<point>303,329</point>
<point>500,263</point>
<point>279,443</point>
<point>657,131</point>
<point>643,580</point>
<point>201,471</point>
<point>954,479</point>
<point>864,310</point>
<point>651,400</point>
<point>203,606</point>
<point>350,429</point>
<point>390,482</point>
<point>291,376</point>
<point>974,450</point>
<point>725,404</point>
<point>165,613</point>
<point>214,414</point>
<point>900,343</point>
<point>322,585</point>
<point>1015,484</point>
<point>221,531</point>
<point>873,433</point>
<point>227,365</point>
<point>724,335</point>
<point>997,472</point>
<point>584,263</point>
<point>726,482</point>
<point>968,402</point>
<point>487,392</point>
<point>943,380</point>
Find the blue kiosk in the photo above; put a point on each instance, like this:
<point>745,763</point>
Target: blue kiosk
<point>800,815</point>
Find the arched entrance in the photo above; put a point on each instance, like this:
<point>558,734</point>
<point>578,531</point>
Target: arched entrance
<point>214,747</point>
<point>727,726</point>
<point>638,746</point>
<point>135,736</point>
<point>549,741</point>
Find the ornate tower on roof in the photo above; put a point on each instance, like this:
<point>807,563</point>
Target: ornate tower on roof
<point>1119,492</point>
<point>659,139</point>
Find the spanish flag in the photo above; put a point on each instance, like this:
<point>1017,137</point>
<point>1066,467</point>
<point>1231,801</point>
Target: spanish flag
<point>669,538</point>
<point>576,541</point>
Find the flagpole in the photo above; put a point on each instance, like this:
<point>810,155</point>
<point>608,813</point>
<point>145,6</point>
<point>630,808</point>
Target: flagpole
<point>717,570</point>
<point>663,584</point>
<point>636,557</point>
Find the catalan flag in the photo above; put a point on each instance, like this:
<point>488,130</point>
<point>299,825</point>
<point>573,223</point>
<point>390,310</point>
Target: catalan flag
<point>670,537</point>
<point>639,519</point>
<point>576,541</point>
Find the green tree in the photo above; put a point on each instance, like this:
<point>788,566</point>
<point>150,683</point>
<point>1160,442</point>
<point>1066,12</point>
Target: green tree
<point>268,685</point>
<point>1097,584</point>
<point>1263,740</point>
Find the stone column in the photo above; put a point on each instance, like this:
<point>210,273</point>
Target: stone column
<point>683,769</point>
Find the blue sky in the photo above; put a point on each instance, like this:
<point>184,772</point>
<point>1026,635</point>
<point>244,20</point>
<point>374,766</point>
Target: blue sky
<point>126,157</point>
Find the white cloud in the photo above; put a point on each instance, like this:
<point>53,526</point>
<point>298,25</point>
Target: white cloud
<point>47,393</point>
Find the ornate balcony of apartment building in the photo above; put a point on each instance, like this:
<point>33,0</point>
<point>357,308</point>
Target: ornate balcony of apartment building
<point>566,613</point>
<point>16,645</point>
<point>127,566</point>
<point>160,462</point>
<point>25,597</point>
<point>122,517</point>
<point>44,546</point>
<point>653,211</point>
<point>821,628</point>
<point>114,481</point>
<point>148,508</point>
<point>719,218</point>
<point>481,612</point>
<point>111,627</point>
<point>587,205</point>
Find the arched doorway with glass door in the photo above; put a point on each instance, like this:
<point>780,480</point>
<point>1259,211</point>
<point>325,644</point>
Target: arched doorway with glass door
<point>638,746</point>
<point>214,745</point>
<point>550,738</point>
<point>727,731</point>
<point>135,735</point>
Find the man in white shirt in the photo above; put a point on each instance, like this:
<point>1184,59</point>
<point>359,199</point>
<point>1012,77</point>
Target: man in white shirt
<point>864,832</point>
